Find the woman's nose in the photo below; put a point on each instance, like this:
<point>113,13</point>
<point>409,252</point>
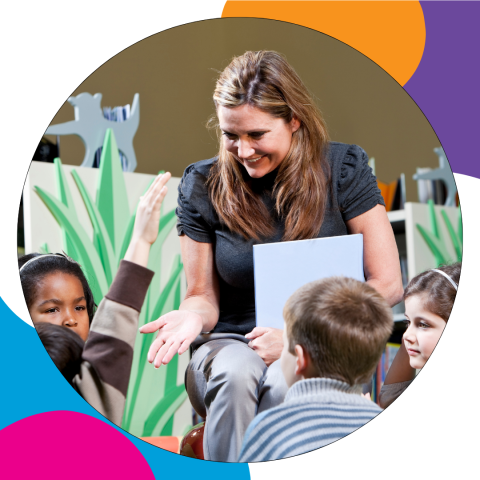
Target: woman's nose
<point>244,149</point>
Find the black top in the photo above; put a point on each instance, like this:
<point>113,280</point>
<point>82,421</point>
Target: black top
<point>355,192</point>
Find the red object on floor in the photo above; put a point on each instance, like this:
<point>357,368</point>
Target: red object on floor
<point>170,444</point>
<point>192,443</point>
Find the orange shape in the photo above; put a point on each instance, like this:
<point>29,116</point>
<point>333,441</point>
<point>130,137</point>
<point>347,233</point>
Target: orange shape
<point>392,34</point>
<point>388,193</point>
<point>170,444</point>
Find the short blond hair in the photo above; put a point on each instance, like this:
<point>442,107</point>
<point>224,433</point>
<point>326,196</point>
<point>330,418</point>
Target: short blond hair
<point>343,325</point>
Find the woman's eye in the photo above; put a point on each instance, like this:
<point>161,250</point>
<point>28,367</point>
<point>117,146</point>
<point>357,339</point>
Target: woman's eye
<point>424,325</point>
<point>257,135</point>
<point>407,323</point>
<point>80,307</point>
<point>230,136</point>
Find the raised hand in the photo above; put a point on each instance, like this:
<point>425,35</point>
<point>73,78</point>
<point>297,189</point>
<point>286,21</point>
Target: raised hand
<point>267,342</point>
<point>147,221</point>
<point>176,331</point>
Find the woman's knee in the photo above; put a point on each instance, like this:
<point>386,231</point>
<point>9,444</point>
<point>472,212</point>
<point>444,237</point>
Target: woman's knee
<point>236,368</point>
<point>196,387</point>
<point>223,369</point>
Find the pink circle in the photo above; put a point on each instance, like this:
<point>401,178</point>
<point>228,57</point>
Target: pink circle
<point>69,445</point>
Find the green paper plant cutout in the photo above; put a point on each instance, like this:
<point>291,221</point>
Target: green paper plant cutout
<point>153,395</point>
<point>434,238</point>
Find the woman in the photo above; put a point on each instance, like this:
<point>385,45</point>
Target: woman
<point>276,178</point>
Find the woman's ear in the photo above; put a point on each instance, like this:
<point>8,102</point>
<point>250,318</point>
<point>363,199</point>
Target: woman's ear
<point>295,124</point>
<point>302,361</point>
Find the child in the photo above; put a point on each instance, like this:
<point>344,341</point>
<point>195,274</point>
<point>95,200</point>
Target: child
<point>429,300</point>
<point>56,292</point>
<point>335,333</point>
<point>64,346</point>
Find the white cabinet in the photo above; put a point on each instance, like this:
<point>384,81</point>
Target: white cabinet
<point>415,255</point>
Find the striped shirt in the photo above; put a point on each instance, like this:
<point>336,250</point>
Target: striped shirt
<point>316,412</point>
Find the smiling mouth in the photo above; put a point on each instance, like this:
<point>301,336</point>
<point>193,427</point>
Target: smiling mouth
<point>254,160</point>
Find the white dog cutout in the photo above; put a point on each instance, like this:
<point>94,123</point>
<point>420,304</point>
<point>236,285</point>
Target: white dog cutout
<point>90,125</point>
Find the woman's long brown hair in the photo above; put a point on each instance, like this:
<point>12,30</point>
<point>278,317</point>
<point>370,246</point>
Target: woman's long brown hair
<point>266,81</point>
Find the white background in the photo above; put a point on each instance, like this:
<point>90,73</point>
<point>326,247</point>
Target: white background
<point>48,49</point>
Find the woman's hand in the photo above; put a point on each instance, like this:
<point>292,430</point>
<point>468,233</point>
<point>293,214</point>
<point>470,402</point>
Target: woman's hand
<point>176,331</point>
<point>267,342</point>
<point>147,221</point>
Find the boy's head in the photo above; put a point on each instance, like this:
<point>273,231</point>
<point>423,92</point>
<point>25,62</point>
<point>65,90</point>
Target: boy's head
<point>335,328</point>
<point>64,346</point>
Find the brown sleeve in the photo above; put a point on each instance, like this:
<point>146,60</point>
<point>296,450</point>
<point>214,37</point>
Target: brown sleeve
<point>108,353</point>
<point>130,285</point>
<point>107,359</point>
<point>389,393</point>
<point>104,398</point>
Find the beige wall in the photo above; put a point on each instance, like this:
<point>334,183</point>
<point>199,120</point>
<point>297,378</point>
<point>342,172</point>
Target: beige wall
<point>174,72</point>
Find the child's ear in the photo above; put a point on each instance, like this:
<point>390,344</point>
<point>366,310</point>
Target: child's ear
<point>302,360</point>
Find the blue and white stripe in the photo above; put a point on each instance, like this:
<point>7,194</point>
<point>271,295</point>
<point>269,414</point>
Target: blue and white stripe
<point>316,412</point>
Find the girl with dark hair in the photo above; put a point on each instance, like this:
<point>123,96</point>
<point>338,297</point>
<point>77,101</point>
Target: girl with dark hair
<point>276,178</point>
<point>64,346</point>
<point>57,294</point>
<point>41,276</point>
<point>429,299</point>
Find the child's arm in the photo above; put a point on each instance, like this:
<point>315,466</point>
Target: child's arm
<point>147,221</point>
<point>108,353</point>
<point>399,376</point>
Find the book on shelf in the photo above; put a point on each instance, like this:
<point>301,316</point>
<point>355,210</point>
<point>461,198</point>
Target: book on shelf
<point>384,364</point>
<point>393,193</point>
<point>404,270</point>
<point>114,114</point>
<point>431,189</point>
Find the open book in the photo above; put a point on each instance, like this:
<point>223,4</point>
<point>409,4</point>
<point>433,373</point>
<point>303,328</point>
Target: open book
<point>281,268</point>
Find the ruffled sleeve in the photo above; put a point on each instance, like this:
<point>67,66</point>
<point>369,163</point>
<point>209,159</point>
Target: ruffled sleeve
<point>357,189</point>
<point>194,206</point>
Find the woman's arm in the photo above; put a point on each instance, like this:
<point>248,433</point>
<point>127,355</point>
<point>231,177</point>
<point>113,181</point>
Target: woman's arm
<point>380,253</point>
<point>203,293</point>
<point>198,312</point>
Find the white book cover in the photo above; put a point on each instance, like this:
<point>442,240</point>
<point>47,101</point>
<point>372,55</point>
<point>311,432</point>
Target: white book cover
<point>281,268</point>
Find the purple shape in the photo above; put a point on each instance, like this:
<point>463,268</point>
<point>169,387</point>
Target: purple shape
<point>446,84</point>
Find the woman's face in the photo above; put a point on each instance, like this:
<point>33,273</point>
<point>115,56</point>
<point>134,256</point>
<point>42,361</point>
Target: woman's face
<point>60,299</point>
<point>257,140</point>
<point>423,331</point>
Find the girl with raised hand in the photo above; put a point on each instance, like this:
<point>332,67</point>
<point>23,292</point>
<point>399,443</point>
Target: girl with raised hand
<point>57,292</point>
